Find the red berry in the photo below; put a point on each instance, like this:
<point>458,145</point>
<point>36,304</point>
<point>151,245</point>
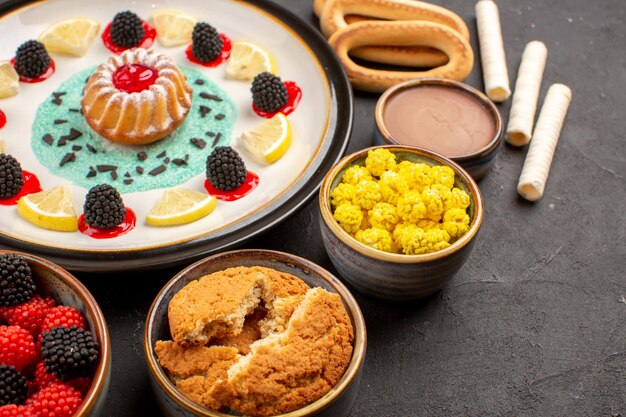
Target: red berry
<point>29,315</point>
<point>43,379</point>
<point>12,410</point>
<point>63,316</point>
<point>17,347</point>
<point>56,400</point>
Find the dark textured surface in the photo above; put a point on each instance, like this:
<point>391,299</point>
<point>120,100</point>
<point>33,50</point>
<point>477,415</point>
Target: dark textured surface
<point>535,323</point>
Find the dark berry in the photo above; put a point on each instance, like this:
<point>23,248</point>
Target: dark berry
<point>16,280</point>
<point>269,93</point>
<point>69,352</point>
<point>31,59</point>
<point>206,42</point>
<point>13,387</point>
<point>11,179</point>
<point>127,29</point>
<point>104,207</point>
<point>225,169</point>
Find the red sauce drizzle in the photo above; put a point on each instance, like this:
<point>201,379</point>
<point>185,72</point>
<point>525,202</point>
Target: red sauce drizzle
<point>294,95</point>
<point>31,186</point>
<point>42,77</point>
<point>134,78</point>
<point>252,180</point>
<point>127,225</point>
<point>146,42</point>
<point>3,119</point>
<point>227,46</point>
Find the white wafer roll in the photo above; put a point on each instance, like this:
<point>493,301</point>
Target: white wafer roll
<point>492,55</point>
<point>539,158</point>
<point>527,86</point>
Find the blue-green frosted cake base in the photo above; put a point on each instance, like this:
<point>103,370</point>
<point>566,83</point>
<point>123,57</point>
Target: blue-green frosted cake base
<point>89,159</point>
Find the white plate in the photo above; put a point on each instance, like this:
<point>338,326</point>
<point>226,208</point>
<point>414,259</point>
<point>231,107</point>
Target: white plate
<point>320,132</point>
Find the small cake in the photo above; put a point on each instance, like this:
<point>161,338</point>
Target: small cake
<point>136,98</point>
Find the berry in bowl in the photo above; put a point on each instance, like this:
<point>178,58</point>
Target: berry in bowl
<point>54,343</point>
<point>398,222</point>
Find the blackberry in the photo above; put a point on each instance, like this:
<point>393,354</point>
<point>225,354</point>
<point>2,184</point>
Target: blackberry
<point>31,59</point>
<point>16,280</point>
<point>127,29</point>
<point>69,352</point>
<point>225,169</point>
<point>13,386</point>
<point>11,180</point>
<point>268,92</point>
<point>104,207</point>
<point>206,42</point>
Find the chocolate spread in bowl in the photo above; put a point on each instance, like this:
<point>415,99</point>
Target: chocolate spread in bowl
<point>445,120</point>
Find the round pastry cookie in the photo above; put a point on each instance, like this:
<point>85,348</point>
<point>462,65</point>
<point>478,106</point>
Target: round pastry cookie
<point>286,371</point>
<point>195,369</point>
<point>269,344</point>
<point>216,305</point>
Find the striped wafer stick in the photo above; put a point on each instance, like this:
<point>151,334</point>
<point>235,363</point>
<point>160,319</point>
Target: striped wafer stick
<point>534,175</point>
<point>527,86</point>
<point>495,73</point>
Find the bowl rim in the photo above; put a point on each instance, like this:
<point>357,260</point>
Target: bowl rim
<point>482,98</point>
<point>100,376</point>
<point>345,237</point>
<point>359,344</point>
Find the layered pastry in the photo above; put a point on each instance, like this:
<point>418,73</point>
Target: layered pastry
<point>136,98</point>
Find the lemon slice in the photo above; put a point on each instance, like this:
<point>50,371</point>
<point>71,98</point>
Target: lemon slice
<point>247,60</point>
<point>270,140</point>
<point>9,80</point>
<point>70,36</point>
<point>173,27</point>
<point>50,209</point>
<point>180,206</point>
<point>2,148</point>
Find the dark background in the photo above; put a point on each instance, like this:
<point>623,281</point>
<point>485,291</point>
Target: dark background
<point>535,322</point>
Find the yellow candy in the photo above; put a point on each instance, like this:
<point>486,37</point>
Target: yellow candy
<point>414,240</point>
<point>383,216</point>
<point>367,194</point>
<point>356,174</point>
<point>456,199</point>
<point>342,193</point>
<point>380,160</point>
<point>456,222</point>
<point>442,175</point>
<point>434,204</point>
<point>376,238</point>
<point>417,175</point>
<point>411,208</point>
<point>349,217</point>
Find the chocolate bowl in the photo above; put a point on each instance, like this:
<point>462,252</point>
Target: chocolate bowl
<point>443,116</point>
<point>335,403</point>
<point>67,290</point>
<point>393,276</point>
